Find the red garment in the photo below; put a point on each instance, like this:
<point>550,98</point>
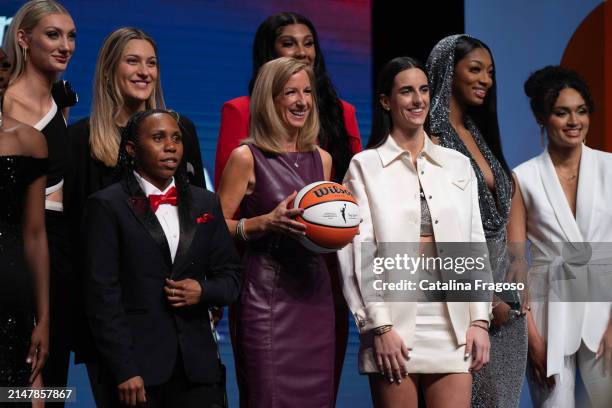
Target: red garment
<point>155,200</point>
<point>235,127</point>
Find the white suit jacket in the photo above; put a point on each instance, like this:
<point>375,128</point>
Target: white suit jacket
<point>386,186</point>
<point>573,286</point>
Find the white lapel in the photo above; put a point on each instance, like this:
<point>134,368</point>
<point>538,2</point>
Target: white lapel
<point>586,197</point>
<point>557,199</point>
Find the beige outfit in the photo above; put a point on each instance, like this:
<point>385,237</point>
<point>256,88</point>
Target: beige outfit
<point>386,186</point>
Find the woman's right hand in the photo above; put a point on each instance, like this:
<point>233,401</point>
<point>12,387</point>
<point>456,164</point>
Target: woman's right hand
<point>391,354</point>
<point>537,358</point>
<point>281,219</point>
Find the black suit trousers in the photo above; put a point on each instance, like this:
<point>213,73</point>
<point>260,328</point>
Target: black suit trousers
<point>177,392</point>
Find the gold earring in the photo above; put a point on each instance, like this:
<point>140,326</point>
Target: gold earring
<point>542,136</point>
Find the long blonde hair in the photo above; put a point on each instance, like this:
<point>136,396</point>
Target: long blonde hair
<point>26,18</point>
<point>104,136</point>
<point>265,123</point>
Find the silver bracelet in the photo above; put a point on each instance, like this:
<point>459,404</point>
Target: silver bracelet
<point>240,231</point>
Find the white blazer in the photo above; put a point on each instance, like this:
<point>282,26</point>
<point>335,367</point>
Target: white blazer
<point>555,234</point>
<point>386,186</point>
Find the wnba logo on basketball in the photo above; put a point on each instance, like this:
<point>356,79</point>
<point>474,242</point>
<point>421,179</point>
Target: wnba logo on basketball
<point>331,189</point>
<point>331,216</point>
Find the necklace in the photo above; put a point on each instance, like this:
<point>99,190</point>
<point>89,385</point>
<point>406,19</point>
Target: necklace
<point>571,177</point>
<point>295,163</point>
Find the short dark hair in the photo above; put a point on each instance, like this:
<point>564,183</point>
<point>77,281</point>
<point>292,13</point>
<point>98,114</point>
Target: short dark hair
<point>382,122</point>
<point>333,136</point>
<point>544,85</point>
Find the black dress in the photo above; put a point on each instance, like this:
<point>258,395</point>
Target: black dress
<point>61,275</point>
<point>16,293</point>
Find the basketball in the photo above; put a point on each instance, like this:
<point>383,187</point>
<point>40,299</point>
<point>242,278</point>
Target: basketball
<point>331,216</point>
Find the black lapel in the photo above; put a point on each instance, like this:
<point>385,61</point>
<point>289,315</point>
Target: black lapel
<point>188,224</point>
<point>139,204</point>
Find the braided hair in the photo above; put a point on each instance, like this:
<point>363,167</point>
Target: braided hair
<point>124,171</point>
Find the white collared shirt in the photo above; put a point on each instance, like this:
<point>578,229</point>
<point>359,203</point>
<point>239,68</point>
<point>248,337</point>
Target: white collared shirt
<point>166,214</point>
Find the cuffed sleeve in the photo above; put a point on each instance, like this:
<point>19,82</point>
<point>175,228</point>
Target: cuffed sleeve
<point>356,260</point>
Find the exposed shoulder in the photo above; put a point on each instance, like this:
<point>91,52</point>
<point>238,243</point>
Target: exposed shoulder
<point>325,157</point>
<point>33,142</point>
<point>241,157</point>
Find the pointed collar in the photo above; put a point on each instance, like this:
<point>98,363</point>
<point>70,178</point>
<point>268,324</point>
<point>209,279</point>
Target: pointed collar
<point>149,188</point>
<point>389,151</point>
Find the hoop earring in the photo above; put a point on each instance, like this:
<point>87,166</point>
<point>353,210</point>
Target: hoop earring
<point>542,136</point>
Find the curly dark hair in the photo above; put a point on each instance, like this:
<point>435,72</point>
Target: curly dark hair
<point>124,171</point>
<point>333,136</point>
<point>544,85</point>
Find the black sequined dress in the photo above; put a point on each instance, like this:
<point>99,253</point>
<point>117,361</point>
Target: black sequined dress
<point>16,295</point>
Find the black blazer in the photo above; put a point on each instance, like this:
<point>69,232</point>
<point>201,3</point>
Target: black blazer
<point>85,176</point>
<point>127,258</point>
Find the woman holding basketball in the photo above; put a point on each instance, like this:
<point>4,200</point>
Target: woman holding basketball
<point>285,322</point>
<point>414,192</point>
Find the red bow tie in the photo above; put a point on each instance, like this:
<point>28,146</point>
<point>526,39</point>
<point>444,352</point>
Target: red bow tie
<point>155,200</point>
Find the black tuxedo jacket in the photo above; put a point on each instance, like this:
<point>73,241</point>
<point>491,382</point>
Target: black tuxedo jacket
<point>127,256</point>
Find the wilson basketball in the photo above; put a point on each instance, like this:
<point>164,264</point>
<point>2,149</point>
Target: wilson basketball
<point>331,216</point>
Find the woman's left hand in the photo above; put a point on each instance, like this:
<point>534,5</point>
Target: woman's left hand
<point>181,293</point>
<point>605,349</point>
<point>477,346</point>
<point>39,349</point>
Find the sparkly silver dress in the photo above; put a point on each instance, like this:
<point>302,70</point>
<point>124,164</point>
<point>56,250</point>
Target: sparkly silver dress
<point>498,384</point>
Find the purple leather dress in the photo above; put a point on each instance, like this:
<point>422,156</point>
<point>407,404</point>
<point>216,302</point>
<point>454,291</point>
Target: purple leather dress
<point>285,330</point>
